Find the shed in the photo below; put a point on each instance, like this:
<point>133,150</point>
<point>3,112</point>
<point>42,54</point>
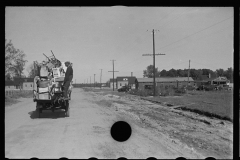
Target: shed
<point>24,83</point>
<point>111,83</point>
<point>10,85</point>
<point>129,81</point>
<point>147,83</point>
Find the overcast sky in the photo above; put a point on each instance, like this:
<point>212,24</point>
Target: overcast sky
<point>90,37</point>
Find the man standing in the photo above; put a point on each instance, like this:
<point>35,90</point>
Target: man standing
<point>68,78</point>
<point>70,90</point>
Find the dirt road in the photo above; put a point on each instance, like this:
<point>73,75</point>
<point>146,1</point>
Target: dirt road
<point>156,130</point>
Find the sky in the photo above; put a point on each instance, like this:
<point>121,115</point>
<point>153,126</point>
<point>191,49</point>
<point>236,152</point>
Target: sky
<point>91,37</point>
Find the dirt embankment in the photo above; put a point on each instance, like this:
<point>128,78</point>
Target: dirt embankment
<point>208,136</point>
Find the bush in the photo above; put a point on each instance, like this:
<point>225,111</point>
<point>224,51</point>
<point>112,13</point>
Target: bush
<point>209,87</point>
<point>167,91</point>
<point>190,88</point>
<point>180,90</point>
<point>139,92</point>
<point>160,91</point>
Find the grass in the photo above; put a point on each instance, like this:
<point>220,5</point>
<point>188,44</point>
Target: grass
<point>105,91</point>
<point>13,99</point>
<point>217,104</point>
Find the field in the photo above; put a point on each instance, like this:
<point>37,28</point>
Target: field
<point>217,104</point>
<point>13,97</point>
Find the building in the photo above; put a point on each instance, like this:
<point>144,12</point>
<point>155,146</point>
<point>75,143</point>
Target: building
<point>9,85</point>
<point>111,83</point>
<point>23,83</point>
<point>126,81</point>
<point>207,79</point>
<point>147,83</point>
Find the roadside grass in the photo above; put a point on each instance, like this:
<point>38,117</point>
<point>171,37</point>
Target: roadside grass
<point>13,99</point>
<point>105,91</point>
<point>217,104</point>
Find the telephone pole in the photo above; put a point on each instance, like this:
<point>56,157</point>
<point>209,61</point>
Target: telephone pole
<point>94,80</point>
<point>154,83</point>
<point>113,72</point>
<point>101,79</point>
<point>90,81</point>
<point>188,72</point>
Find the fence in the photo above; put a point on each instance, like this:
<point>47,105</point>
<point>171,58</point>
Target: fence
<point>17,92</point>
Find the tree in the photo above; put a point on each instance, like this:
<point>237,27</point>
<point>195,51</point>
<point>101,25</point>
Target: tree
<point>172,73</point>
<point>14,60</point>
<point>149,72</point>
<point>220,72</point>
<point>31,71</point>
<point>163,73</point>
<point>195,74</point>
<point>180,73</point>
<point>228,74</point>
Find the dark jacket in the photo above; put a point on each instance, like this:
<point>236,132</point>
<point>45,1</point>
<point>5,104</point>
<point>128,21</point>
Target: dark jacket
<point>68,74</point>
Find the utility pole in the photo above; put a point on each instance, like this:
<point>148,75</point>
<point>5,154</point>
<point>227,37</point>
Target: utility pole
<point>113,72</point>
<point>94,80</point>
<point>75,81</point>
<point>154,83</point>
<point>188,72</point>
<point>131,74</point>
<point>90,81</point>
<point>101,79</point>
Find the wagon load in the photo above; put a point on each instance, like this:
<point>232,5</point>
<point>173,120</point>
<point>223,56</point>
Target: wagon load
<point>48,90</point>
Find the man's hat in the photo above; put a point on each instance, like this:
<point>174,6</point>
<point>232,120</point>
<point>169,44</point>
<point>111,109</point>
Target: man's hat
<point>67,63</point>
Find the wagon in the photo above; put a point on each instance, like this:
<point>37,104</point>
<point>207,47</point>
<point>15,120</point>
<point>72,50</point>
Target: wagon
<point>52,104</point>
<point>50,99</point>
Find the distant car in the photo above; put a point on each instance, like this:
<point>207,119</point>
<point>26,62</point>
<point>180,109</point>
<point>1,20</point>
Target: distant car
<point>123,89</point>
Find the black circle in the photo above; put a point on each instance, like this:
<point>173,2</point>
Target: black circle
<point>180,158</point>
<point>121,131</point>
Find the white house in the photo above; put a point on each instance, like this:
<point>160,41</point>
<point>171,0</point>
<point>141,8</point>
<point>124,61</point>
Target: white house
<point>115,83</point>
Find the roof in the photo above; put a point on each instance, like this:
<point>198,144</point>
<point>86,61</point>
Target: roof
<point>218,79</point>
<point>131,80</point>
<point>165,79</point>
<point>9,83</point>
<point>111,80</point>
<point>18,80</point>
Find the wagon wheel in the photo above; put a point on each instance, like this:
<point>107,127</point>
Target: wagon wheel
<point>69,95</point>
<point>38,109</point>
<point>67,114</point>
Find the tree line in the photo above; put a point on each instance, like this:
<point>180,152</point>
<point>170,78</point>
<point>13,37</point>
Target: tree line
<point>196,74</point>
<point>14,61</point>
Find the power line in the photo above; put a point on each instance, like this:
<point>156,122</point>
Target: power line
<point>180,40</point>
<point>101,79</point>
<point>180,14</point>
<point>196,32</point>
<point>197,39</point>
<point>152,26</point>
<point>161,26</point>
<point>94,80</point>
<point>154,84</point>
<point>113,72</point>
